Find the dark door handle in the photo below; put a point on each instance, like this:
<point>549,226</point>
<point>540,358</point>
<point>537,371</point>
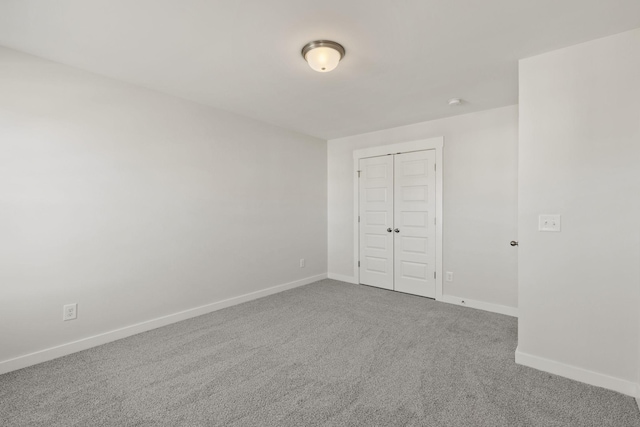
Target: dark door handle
<point>389,230</point>
<point>513,243</point>
<point>396,230</point>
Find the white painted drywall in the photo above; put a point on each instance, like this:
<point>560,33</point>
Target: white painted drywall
<point>480,200</point>
<point>136,205</point>
<point>579,157</point>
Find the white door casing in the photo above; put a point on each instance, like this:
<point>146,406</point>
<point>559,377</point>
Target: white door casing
<point>376,219</point>
<point>414,223</point>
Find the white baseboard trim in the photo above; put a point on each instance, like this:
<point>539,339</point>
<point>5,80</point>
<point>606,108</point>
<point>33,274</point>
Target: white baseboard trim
<point>578,374</point>
<point>486,306</point>
<point>106,337</point>
<point>340,277</point>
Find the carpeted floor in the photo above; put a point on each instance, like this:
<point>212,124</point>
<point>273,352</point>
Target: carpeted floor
<point>329,353</point>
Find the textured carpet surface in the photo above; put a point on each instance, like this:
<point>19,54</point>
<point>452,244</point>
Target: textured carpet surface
<point>328,353</point>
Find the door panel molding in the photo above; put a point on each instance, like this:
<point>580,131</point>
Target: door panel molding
<point>436,144</point>
<point>414,194</point>
<point>376,217</point>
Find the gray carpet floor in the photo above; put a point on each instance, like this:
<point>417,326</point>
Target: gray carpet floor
<point>328,353</point>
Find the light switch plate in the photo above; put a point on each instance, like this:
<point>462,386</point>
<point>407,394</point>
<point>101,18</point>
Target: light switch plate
<point>549,223</point>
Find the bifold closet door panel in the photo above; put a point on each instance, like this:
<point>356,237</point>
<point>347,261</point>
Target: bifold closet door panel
<point>414,228</point>
<point>376,221</point>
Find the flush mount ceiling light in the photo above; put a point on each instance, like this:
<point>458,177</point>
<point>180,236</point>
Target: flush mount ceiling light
<point>323,55</point>
<point>454,102</point>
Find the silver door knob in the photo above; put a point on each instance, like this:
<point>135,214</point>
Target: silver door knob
<point>513,243</point>
<point>389,230</point>
<point>396,230</point>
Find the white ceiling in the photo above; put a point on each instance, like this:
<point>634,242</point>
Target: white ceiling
<point>405,58</point>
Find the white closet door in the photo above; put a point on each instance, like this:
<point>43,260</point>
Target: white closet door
<point>376,221</point>
<point>414,228</point>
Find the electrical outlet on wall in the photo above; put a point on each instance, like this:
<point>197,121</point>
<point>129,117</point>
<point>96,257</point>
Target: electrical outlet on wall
<point>302,263</point>
<point>449,276</point>
<point>70,312</point>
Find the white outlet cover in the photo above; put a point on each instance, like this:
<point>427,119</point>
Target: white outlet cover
<point>70,312</point>
<point>449,276</point>
<point>549,223</point>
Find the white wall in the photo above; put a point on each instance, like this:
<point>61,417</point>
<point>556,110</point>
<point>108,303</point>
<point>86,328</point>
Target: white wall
<point>136,205</point>
<point>580,157</point>
<point>480,200</point>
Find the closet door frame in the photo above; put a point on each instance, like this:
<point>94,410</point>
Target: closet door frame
<point>436,144</point>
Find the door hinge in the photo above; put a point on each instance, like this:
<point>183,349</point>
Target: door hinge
<point>434,274</point>
<point>434,221</point>
<point>358,218</point>
<point>358,174</point>
<point>434,166</point>
<point>358,263</point>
